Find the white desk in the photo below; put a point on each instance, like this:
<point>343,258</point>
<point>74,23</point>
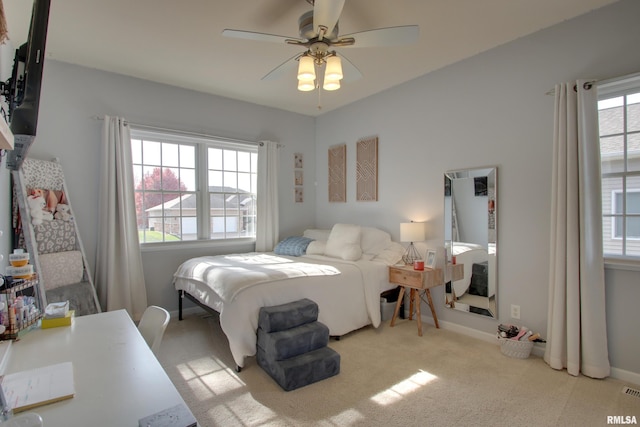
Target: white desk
<point>117,378</point>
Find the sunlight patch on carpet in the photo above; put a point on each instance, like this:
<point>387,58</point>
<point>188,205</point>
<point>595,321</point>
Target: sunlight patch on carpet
<point>198,367</point>
<point>350,416</point>
<point>243,410</point>
<point>207,377</point>
<point>403,388</point>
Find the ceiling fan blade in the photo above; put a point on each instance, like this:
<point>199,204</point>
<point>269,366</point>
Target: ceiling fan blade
<point>250,35</point>
<point>350,71</point>
<point>391,36</point>
<point>326,13</point>
<point>287,67</point>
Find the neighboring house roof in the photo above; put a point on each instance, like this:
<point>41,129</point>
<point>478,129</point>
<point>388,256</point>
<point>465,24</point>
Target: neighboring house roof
<point>175,203</point>
<point>188,201</point>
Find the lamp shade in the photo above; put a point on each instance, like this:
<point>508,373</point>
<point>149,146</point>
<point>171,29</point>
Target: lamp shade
<point>334,68</point>
<point>306,68</point>
<point>331,84</point>
<point>306,85</point>
<point>412,231</point>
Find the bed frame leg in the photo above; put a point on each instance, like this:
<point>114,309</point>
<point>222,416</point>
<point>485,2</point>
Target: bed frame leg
<point>180,297</point>
<point>238,369</point>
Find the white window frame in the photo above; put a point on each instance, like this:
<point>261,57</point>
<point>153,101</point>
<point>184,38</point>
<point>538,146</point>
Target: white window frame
<point>201,142</point>
<point>607,90</point>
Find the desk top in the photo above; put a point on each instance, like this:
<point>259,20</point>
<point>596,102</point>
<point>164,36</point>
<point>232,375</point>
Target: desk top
<point>118,380</point>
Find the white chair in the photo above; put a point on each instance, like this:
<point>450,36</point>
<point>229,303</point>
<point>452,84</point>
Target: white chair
<point>152,326</point>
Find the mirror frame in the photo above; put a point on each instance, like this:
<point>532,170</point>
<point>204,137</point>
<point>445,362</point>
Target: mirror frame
<point>476,205</point>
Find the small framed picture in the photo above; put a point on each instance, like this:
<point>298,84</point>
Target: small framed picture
<point>430,259</point>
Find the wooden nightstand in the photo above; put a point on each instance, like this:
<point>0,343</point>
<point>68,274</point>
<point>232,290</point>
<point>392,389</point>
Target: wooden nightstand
<point>416,281</point>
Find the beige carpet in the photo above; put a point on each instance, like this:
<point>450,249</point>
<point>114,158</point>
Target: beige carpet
<point>388,377</point>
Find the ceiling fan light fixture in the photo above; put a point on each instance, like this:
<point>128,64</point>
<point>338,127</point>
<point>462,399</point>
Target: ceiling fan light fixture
<point>318,65</point>
<point>334,68</point>
<point>306,69</point>
<point>331,84</point>
<point>306,85</point>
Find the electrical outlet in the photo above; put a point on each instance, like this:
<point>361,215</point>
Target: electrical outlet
<point>515,311</point>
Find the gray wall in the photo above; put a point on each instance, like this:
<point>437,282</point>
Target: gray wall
<point>490,110</point>
<point>72,96</point>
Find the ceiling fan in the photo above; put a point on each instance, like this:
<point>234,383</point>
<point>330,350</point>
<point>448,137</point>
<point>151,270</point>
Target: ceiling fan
<point>319,34</point>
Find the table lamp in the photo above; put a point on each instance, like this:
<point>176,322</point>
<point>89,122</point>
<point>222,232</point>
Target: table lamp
<point>411,232</point>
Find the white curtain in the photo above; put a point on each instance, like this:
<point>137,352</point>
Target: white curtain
<point>267,228</point>
<point>119,274</point>
<point>576,328</point>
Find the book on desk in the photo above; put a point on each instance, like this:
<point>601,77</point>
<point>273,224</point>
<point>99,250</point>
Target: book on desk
<point>39,386</point>
<point>176,416</point>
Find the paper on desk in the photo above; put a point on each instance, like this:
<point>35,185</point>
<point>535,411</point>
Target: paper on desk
<point>35,387</point>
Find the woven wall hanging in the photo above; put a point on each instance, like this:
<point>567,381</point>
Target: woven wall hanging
<point>367,169</point>
<point>337,173</point>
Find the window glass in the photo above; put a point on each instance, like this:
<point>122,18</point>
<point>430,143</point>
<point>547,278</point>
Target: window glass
<point>633,151</point>
<point>612,153</point>
<point>172,205</point>
<point>619,123</point>
<point>633,112</point>
<point>232,174</point>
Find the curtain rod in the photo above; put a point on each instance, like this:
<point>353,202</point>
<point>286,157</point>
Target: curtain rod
<point>602,82</point>
<point>587,85</point>
<point>187,133</point>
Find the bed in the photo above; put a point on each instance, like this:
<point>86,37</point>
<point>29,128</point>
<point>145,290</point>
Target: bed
<point>343,270</point>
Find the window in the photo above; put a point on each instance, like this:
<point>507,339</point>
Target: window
<point>619,122</point>
<point>633,224</point>
<point>193,188</point>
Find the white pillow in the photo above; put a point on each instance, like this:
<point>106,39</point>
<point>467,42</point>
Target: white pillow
<point>316,247</point>
<point>344,242</point>
<point>317,234</point>
<point>373,240</point>
<point>391,255</point>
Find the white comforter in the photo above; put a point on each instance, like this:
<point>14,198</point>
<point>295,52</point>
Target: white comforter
<point>347,292</point>
<point>227,275</point>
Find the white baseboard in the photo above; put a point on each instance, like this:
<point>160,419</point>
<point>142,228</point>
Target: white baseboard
<point>538,348</point>
<point>627,376</point>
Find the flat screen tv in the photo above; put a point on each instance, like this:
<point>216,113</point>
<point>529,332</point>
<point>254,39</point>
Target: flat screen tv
<point>22,92</point>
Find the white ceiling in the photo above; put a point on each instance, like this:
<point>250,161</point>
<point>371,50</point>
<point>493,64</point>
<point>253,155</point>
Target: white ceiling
<point>180,43</point>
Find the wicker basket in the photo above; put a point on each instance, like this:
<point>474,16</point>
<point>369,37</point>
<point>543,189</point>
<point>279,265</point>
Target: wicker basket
<point>516,349</point>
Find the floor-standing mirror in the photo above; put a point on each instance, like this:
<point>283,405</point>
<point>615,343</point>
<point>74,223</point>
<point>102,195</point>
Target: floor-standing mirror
<point>470,203</point>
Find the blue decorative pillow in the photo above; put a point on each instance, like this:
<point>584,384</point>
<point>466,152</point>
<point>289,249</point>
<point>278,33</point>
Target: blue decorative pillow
<point>293,246</point>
